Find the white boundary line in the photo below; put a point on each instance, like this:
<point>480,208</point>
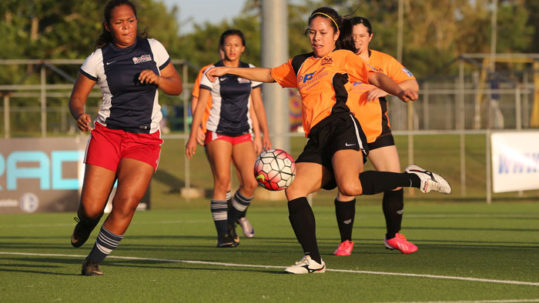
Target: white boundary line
<point>479,301</point>
<point>368,272</point>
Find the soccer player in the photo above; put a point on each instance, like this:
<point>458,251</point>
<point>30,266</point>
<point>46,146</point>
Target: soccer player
<point>125,140</point>
<point>371,110</point>
<point>334,153</point>
<point>228,136</point>
<point>247,228</point>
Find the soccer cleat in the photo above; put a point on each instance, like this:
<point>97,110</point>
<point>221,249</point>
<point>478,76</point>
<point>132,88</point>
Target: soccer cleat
<point>247,228</point>
<point>81,233</point>
<point>226,241</point>
<point>90,269</point>
<point>345,248</point>
<point>307,266</point>
<point>233,235</point>
<point>429,181</point>
<point>399,242</point>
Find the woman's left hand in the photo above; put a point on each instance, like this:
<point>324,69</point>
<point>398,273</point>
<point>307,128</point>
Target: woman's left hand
<point>266,143</point>
<point>376,93</point>
<point>215,72</point>
<point>148,77</point>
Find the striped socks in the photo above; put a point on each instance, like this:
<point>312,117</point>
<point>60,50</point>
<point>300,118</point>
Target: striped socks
<point>106,242</point>
<point>219,212</point>
<point>239,207</point>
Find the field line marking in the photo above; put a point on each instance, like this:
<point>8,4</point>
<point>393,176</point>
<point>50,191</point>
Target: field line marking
<point>33,225</point>
<point>351,271</point>
<point>478,301</point>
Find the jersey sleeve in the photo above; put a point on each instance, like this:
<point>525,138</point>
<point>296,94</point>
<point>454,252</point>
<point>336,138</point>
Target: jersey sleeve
<point>397,71</point>
<point>255,84</point>
<point>285,75</point>
<point>91,64</point>
<point>160,54</point>
<point>205,82</point>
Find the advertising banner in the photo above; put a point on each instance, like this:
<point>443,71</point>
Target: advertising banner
<point>515,161</point>
<point>41,174</point>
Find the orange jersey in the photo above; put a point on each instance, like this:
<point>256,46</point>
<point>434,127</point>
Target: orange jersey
<point>372,115</point>
<point>196,92</point>
<point>314,82</point>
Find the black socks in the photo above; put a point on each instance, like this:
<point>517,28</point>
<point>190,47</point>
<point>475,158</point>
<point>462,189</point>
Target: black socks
<point>345,212</point>
<point>393,206</point>
<point>374,182</point>
<point>302,219</point>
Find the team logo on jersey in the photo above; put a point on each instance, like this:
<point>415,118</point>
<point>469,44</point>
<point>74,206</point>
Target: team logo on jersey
<point>306,78</point>
<point>141,59</point>
<point>243,80</point>
<point>409,73</point>
<point>327,60</point>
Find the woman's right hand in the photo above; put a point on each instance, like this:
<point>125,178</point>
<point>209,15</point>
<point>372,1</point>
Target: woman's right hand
<point>84,122</point>
<point>201,136</point>
<point>191,147</point>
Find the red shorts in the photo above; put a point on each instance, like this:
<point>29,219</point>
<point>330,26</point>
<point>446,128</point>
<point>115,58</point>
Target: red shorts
<point>211,136</point>
<point>107,147</point>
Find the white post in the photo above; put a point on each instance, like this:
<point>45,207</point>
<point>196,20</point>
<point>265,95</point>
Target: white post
<point>461,118</point>
<point>275,52</point>
<point>43,102</point>
<point>6,116</point>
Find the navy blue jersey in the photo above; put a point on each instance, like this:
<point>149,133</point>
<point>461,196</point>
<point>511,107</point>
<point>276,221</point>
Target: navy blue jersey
<point>127,104</point>
<point>229,114</point>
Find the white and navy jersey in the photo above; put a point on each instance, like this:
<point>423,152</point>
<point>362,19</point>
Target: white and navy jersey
<point>229,114</point>
<point>127,104</point>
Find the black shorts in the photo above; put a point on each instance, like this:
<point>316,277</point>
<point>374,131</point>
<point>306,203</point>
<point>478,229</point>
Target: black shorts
<point>339,131</point>
<point>382,141</point>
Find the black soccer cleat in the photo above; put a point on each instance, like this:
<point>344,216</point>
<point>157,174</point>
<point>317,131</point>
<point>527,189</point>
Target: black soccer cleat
<point>226,241</point>
<point>232,234</point>
<point>81,233</point>
<point>90,269</point>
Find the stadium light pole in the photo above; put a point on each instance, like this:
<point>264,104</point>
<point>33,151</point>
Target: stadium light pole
<point>274,27</point>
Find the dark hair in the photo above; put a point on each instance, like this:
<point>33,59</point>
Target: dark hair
<point>328,13</point>
<point>362,20</point>
<point>231,32</point>
<point>346,39</point>
<point>106,37</point>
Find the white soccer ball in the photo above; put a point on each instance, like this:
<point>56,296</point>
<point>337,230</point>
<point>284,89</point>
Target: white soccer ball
<point>275,169</point>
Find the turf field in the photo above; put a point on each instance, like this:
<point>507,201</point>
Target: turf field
<point>467,252</point>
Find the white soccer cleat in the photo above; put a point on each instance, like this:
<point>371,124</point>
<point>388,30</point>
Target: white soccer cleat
<point>306,266</point>
<point>429,180</point>
<point>246,227</point>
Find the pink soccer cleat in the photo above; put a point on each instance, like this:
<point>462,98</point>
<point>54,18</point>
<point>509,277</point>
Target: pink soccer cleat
<point>345,248</point>
<point>399,242</point>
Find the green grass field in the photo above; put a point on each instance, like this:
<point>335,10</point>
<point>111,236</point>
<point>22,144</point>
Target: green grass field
<point>467,252</point>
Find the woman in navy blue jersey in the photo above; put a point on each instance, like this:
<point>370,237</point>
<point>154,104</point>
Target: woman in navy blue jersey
<point>228,136</point>
<point>125,140</point>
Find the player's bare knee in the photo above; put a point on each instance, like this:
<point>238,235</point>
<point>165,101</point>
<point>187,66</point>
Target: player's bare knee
<point>92,211</point>
<point>350,188</point>
<point>125,208</point>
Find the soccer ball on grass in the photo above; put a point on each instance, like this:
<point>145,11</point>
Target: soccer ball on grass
<point>275,169</point>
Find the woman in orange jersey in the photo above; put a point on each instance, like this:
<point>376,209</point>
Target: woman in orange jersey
<point>228,136</point>
<point>372,113</point>
<point>334,153</point>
